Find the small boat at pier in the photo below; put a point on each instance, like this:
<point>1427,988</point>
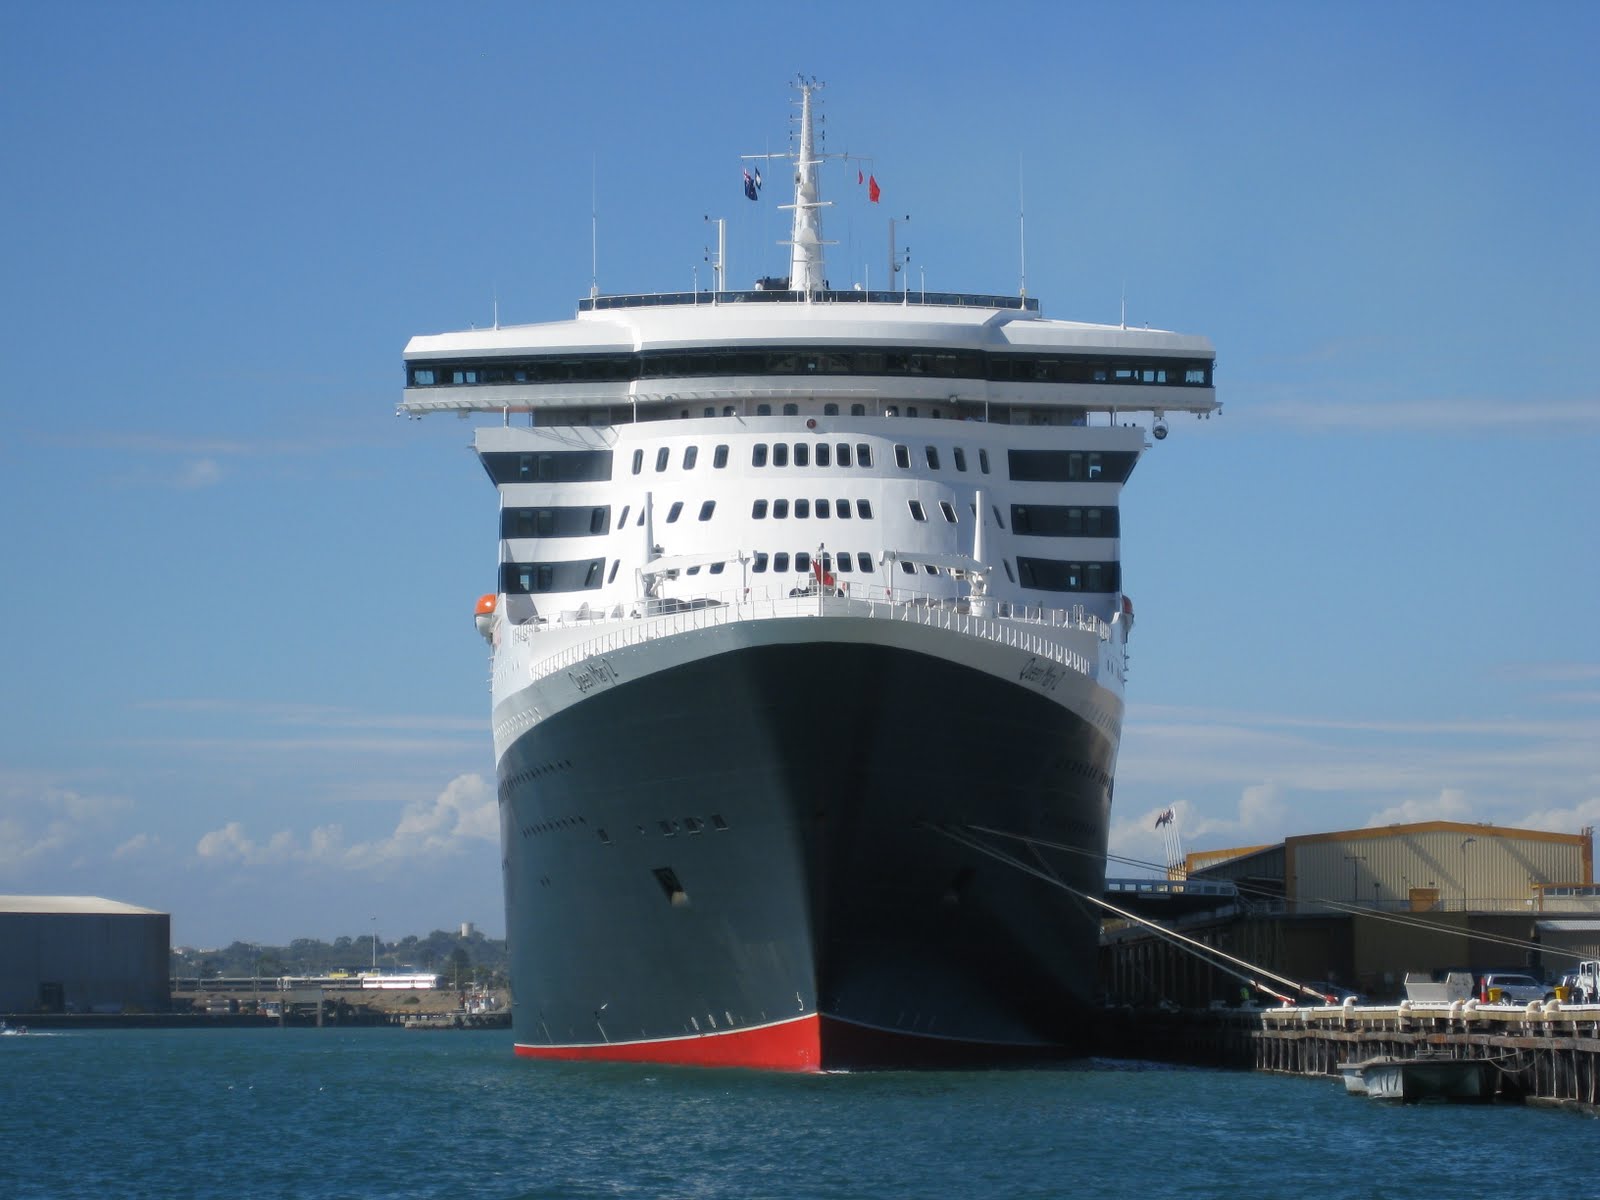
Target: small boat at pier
<point>1428,1076</point>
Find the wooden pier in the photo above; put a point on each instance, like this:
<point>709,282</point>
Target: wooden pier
<point>1546,1053</point>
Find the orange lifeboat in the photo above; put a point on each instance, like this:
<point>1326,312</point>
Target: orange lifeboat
<point>484,617</point>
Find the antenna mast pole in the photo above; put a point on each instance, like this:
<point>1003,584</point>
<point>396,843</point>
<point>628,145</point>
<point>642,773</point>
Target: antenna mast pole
<point>805,259</point>
<point>1022,229</point>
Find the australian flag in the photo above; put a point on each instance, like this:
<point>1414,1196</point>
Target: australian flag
<point>752,184</point>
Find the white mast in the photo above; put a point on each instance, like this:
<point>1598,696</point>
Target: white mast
<point>805,259</point>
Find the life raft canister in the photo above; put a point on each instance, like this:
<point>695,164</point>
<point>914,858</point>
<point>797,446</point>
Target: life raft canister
<point>484,617</point>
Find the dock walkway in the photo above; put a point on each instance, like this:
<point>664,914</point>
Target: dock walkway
<point>1546,1053</point>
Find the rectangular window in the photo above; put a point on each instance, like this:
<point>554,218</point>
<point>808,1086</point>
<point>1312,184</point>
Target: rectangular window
<point>563,466</point>
<point>638,461</point>
<point>1066,466</point>
<point>675,511</point>
<point>1055,520</point>
<point>758,510</point>
<point>864,562</point>
<point>983,461</point>
<point>933,457</point>
<point>864,509</point>
<point>661,458</point>
<point>780,454</point>
<point>802,453</point>
<point>843,564</point>
<point>576,575</point>
<point>822,454</point>
<point>841,509</point>
<point>1054,575</point>
<point>822,509</point>
<point>759,563</point>
<point>802,561</point>
<point>716,568</point>
<point>690,455</point>
<point>960,456</point>
<point>706,509</point>
<point>720,458</point>
<point>780,510</point>
<point>948,511</point>
<point>863,454</point>
<point>843,449</point>
<point>902,458</point>
<point>599,518</point>
<point>758,455</point>
<point>802,509</point>
<point>780,562</point>
<point>917,514</point>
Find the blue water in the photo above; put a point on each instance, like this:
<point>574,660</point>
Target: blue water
<point>385,1112</point>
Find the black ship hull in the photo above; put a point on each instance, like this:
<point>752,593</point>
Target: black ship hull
<point>747,859</point>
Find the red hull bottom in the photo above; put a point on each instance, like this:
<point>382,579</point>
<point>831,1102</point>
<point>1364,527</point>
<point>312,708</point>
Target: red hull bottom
<point>804,1045</point>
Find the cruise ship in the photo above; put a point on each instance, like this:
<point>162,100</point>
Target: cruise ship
<point>808,646</point>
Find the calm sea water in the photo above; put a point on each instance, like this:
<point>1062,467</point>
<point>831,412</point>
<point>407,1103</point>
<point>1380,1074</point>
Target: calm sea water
<point>376,1112</point>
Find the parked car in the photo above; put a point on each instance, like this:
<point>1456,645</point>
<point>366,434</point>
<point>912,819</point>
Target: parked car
<point>1515,989</point>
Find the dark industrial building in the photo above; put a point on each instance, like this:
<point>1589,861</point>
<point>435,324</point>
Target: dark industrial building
<point>82,954</point>
<point>1362,908</point>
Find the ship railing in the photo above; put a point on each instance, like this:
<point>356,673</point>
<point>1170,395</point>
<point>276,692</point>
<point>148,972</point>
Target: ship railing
<point>1033,630</point>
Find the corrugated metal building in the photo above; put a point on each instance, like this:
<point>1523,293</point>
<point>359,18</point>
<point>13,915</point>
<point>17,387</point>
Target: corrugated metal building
<point>1433,866</point>
<point>82,954</point>
<point>1363,907</point>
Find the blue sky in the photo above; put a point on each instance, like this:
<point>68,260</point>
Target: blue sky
<point>240,680</point>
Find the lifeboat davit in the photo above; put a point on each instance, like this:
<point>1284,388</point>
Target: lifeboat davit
<point>484,617</point>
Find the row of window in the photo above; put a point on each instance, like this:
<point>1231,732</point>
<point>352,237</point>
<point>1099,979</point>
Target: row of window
<point>802,454</point>
<point>1040,574</point>
<point>1039,520</point>
<point>881,361</point>
<point>1047,466</point>
<point>1052,520</point>
<point>803,509</point>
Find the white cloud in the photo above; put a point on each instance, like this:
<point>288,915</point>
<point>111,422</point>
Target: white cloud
<point>199,473</point>
<point>36,821</point>
<point>464,812</point>
<point>1450,804</point>
<point>139,844</point>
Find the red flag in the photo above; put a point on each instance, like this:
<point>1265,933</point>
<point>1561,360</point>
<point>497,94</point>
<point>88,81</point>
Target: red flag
<point>873,191</point>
